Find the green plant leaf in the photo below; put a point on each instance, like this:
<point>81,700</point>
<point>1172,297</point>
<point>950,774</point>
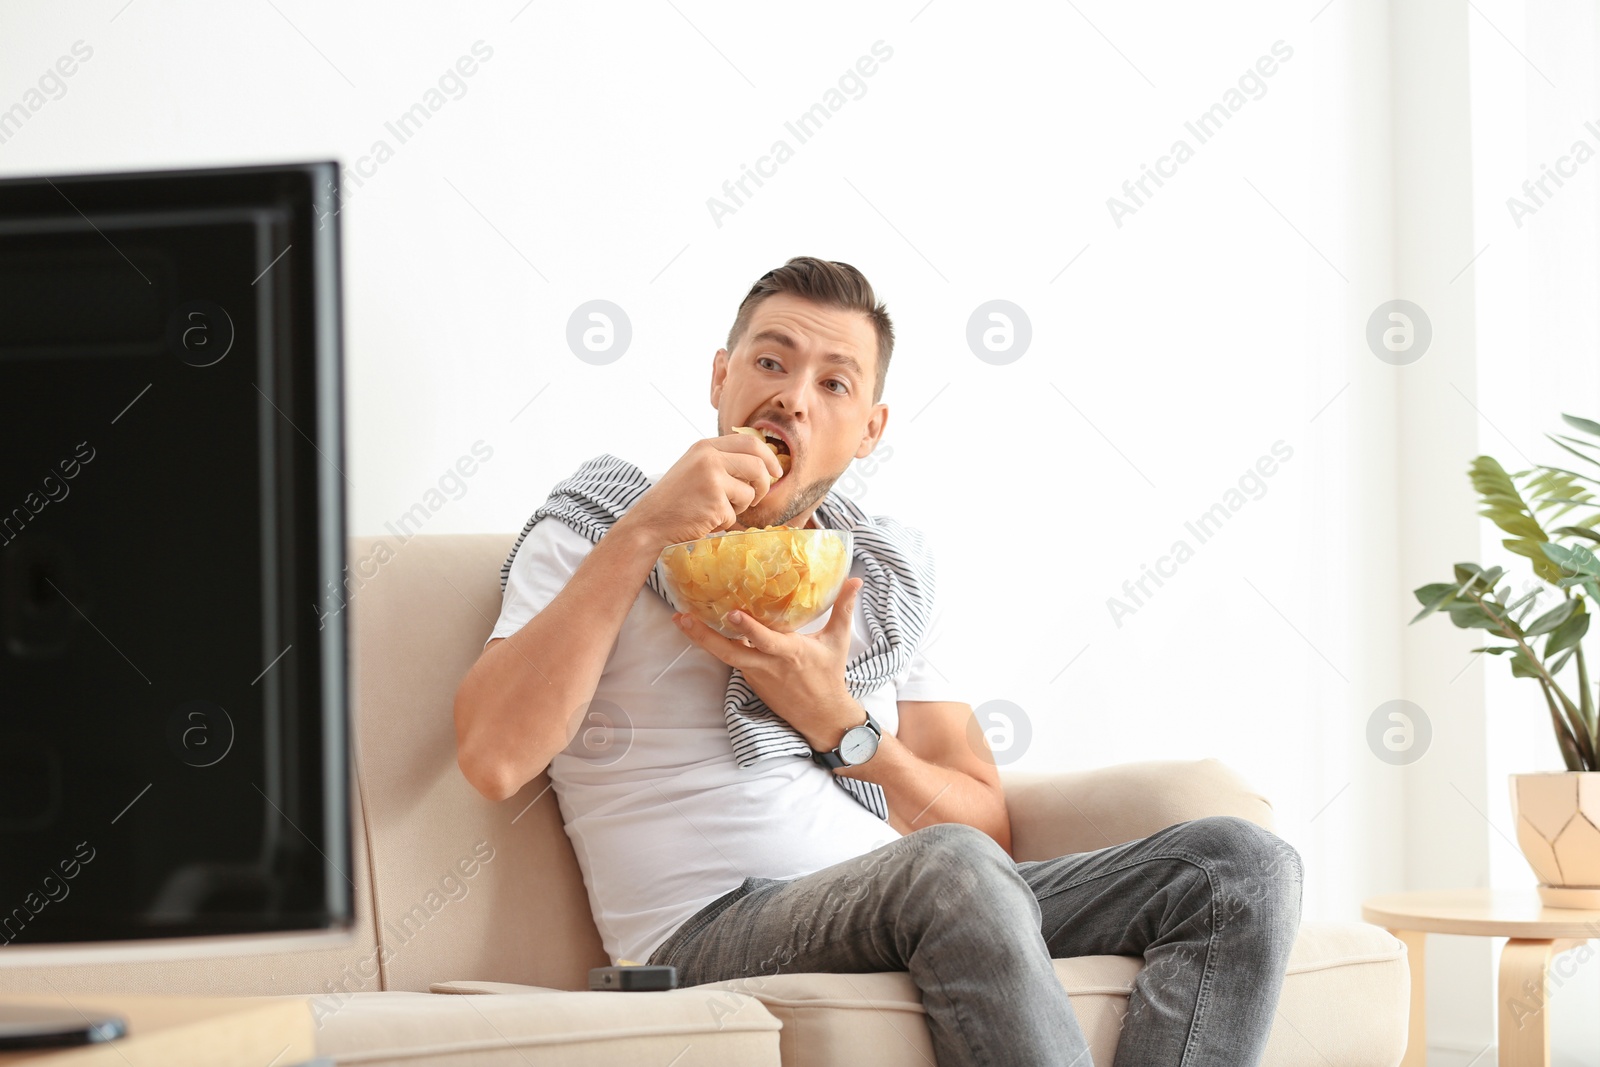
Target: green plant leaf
<point>1493,617</point>
<point>1501,500</point>
<point>1557,492</point>
<point>1576,558</point>
<point>1552,618</point>
<point>1577,531</point>
<point>1495,650</point>
<point>1533,594</point>
<point>1579,475</point>
<point>1541,563</point>
<point>1580,442</point>
<point>1589,585</point>
<point>1469,616</point>
<point>1587,711</point>
<point>1555,665</point>
<point>1586,425</point>
<point>1522,666</point>
<point>1569,752</point>
<point>1556,482</point>
<point>1434,592</point>
<point>1432,597</point>
<point>1567,635</point>
<point>1530,599</point>
<point>1561,442</point>
<point>1577,728</point>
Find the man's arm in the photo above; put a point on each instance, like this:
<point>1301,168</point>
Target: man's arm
<point>938,768</point>
<point>517,707</point>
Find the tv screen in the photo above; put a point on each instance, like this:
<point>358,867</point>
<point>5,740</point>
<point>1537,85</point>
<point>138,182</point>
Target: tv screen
<point>173,739</point>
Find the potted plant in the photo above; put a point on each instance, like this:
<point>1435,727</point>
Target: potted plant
<point>1557,813</point>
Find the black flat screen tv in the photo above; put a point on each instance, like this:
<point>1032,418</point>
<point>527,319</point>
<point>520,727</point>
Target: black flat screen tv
<point>173,688</point>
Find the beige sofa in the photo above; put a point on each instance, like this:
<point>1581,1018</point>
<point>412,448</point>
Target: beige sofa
<point>456,895</point>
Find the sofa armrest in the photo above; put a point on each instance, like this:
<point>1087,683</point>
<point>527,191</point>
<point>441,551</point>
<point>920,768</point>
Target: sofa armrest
<point>1056,814</point>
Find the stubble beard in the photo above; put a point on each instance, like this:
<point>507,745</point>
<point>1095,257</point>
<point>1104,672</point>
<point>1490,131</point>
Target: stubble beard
<point>801,501</point>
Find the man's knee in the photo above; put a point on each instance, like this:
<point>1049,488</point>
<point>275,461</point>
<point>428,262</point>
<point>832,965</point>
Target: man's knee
<point>965,857</point>
<point>1259,874</point>
<point>958,839</point>
<point>959,870</point>
<point>1251,849</point>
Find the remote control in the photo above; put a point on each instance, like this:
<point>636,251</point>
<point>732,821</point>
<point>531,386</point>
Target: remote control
<point>639,978</point>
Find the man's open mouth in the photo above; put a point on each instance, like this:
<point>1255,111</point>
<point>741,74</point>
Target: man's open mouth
<point>779,445</point>
<point>774,441</point>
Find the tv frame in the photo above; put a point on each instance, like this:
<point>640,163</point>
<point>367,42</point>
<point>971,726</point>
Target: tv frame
<point>312,189</point>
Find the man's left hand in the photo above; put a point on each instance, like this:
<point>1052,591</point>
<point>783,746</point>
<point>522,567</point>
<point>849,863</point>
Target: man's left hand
<point>799,676</point>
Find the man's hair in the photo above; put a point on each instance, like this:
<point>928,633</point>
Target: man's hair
<point>831,284</point>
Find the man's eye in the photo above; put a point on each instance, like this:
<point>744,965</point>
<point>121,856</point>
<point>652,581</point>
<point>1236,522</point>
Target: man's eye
<point>761,360</point>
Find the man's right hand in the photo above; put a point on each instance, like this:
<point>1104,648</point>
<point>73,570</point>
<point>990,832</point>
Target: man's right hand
<point>706,491</point>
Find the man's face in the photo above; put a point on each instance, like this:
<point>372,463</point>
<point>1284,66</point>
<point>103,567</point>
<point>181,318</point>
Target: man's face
<point>783,377</point>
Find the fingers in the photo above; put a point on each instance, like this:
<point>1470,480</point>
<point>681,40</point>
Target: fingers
<point>745,491</point>
<point>755,448</point>
<point>844,607</point>
<point>760,637</point>
<point>733,653</point>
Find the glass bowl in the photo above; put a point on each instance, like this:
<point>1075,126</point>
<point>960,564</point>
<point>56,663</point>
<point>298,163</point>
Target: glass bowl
<point>782,576</point>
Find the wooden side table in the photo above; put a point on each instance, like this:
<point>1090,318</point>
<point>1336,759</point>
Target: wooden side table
<point>1537,936</point>
<point>183,1032</point>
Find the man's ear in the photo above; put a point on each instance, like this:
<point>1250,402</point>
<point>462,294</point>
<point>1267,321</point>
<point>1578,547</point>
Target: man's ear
<point>719,374</point>
<point>875,427</point>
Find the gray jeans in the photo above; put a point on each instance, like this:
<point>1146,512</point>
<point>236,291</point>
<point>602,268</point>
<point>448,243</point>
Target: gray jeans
<point>1213,906</point>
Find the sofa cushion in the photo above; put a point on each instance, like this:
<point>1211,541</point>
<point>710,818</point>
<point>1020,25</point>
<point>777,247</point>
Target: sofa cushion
<point>1356,968</point>
<point>462,885</point>
<point>549,1028</point>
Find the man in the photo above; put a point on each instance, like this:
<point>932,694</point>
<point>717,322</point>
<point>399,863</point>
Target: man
<point>704,850</point>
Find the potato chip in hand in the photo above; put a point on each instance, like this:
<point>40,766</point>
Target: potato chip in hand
<point>772,442</point>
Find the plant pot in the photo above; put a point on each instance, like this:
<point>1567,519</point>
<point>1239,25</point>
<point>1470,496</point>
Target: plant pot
<point>1558,829</point>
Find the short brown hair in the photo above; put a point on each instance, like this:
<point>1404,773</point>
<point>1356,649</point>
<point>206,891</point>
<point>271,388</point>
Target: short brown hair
<point>831,284</point>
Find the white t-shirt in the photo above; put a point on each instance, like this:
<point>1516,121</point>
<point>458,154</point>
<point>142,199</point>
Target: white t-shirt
<point>661,817</point>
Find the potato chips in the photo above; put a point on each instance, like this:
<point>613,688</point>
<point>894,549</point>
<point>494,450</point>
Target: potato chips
<point>784,458</point>
<point>782,576</point>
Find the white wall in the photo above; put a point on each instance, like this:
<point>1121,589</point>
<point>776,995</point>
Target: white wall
<point>1532,98</point>
<point>1169,353</point>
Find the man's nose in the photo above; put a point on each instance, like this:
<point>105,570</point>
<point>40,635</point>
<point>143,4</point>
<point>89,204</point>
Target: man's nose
<point>792,399</point>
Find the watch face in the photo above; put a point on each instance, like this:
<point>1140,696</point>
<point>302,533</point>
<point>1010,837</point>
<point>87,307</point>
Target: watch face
<point>858,745</point>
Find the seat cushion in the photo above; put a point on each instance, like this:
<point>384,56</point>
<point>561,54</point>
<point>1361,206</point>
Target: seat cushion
<point>1345,1001</point>
<point>534,1027</point>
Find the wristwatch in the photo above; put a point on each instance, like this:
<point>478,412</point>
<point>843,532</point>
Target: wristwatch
<point>859,745</point>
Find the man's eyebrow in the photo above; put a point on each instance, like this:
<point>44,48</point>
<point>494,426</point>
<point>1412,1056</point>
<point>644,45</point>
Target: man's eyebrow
<point>783,340</point>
